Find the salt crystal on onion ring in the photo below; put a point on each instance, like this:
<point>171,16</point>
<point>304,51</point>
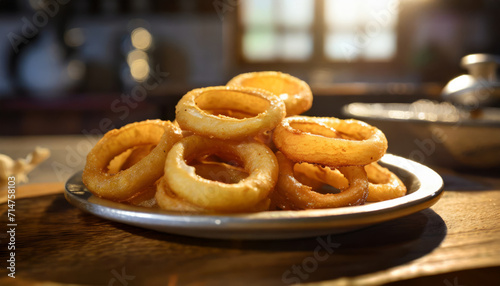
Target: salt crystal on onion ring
<point>126,183</point>
<point>301,196</point>
<point>194,111</point>
<point>257,160</point>
<point>329,141</point>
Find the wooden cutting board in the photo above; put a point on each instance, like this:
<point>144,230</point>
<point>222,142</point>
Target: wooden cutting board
<point>33,190</point>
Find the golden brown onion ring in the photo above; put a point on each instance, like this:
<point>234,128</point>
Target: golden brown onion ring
<point>144,198</point>
<point>168,200</point>
<point>216,171</point>
<point>127,183</point>
<point>316,176</point>
<point>230,113</point>
<point>384,184</point>
<point>329,141</point>
<point>280,202</point>
<point>304,197</point>
<point>257,160</point>
<point>191,115</point>
<point>129,158</point>
<point>294,92</point>
<point>211,170</point>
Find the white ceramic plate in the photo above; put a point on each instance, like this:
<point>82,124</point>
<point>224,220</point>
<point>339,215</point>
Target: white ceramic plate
<point>423,184</point>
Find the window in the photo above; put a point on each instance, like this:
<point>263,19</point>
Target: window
<point>289,30</point>
<point>277,29</point>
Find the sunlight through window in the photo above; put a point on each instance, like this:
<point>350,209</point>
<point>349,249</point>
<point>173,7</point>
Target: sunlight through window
<point>277,29</point>
<point>361,29</point>
<point>283,30</point>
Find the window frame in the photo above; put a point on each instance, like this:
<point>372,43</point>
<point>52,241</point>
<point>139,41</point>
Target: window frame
<point>318,59</point>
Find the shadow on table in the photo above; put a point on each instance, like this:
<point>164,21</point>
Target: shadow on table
<point>368,250</point>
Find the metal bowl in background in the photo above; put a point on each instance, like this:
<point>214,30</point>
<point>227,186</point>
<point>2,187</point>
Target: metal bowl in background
<point>435,133</point>
<point>479,88</point>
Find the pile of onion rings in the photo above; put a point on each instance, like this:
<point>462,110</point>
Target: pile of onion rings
<point>243,148</point>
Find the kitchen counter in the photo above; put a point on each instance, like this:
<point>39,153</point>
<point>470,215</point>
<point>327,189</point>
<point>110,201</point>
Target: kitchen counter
<point>455,242</point>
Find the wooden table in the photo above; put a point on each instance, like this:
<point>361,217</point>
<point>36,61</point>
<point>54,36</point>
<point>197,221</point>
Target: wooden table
<point>456,242</point>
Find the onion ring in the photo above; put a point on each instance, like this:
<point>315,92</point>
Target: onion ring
<point>294,92</point>
<point>191,115</point>
<point>220,172</point>
<point>329,141</point>
<point>211,170</point>
<point>230,113</point>
<point>280,202</point>
<point>168,200</point>
<point>144,198</point>
<point>304,197</point>
<point>315,176</point>
<point>384,184</point>
<point>127,183</point>
<point>129,158</point>
<point>257,160</point>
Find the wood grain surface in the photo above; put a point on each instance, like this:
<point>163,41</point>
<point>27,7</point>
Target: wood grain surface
<point>456,242</point>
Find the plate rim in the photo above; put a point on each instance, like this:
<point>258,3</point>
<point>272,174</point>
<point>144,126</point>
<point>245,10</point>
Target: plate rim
<point>270,223</point>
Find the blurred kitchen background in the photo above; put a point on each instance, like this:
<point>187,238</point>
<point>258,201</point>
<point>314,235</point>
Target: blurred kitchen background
<point>67,64</point>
